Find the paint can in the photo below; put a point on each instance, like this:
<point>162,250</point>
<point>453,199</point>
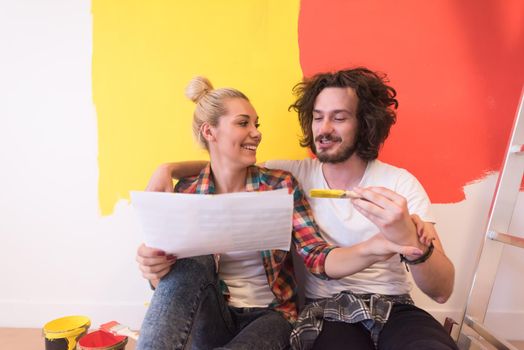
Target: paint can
<point>63,333</point>
<point>102,340</point>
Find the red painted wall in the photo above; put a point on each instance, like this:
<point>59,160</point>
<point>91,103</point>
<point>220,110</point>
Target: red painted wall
<point>457,66</point>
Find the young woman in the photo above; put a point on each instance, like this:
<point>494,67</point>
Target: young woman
<point>241,300</point>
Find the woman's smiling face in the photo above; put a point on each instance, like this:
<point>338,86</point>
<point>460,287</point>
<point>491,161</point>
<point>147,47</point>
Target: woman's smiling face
<point>236,137</point>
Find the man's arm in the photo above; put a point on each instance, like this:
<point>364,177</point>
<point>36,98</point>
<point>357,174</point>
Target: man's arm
<point>436,276</point>
<point>388,210</point>
<point>327,261</point>
<point>162,178</point>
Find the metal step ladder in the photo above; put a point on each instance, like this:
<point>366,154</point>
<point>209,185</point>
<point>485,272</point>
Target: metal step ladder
<point>473,334</point>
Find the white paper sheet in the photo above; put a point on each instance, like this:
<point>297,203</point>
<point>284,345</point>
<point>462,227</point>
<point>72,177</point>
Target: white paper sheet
<point>191,224</point>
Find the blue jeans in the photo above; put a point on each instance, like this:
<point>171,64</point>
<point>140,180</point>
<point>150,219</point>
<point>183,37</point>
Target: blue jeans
<point>188,311</point>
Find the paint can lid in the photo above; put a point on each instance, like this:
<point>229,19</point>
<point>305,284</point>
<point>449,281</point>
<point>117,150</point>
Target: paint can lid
<point>65,327</point>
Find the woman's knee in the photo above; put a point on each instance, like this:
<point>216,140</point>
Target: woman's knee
<point>190,273</point>
<point>269,330</point>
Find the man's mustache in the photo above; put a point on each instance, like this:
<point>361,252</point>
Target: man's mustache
<point>327,137</point>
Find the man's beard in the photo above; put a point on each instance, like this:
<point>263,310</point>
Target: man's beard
<point>340,156</point>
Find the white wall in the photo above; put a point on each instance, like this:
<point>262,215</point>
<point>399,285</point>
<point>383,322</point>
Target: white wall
<point>58,256</point>
<point>462,228</point>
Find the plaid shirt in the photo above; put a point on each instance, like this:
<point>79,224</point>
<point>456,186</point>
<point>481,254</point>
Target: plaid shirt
<point>372,310</point>
<point>278,264</point>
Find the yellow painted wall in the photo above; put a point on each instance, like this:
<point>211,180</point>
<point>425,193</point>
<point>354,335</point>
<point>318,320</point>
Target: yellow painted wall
<point>144,54</point>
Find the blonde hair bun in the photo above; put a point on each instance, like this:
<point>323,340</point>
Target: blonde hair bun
<point>197,88</point>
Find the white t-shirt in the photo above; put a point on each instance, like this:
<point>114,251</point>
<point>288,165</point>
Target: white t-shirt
<point>342,225</point>
<point>246,279</point>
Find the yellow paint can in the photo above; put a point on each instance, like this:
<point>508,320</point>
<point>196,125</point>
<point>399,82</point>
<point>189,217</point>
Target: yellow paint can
<point>63,333</point>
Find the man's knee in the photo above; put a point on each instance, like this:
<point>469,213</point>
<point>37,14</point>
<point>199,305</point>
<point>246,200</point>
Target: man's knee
<point>412,328</point>
<point>429,344</point>
<point>416,341</point>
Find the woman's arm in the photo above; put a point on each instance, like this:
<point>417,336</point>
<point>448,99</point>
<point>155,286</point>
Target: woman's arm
<point>153,263</point>
<point>162,178</point>
<point>345,261</point>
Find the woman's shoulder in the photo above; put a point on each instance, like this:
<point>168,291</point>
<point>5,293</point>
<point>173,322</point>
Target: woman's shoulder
<point>276,178</point>
<point>187,184</point>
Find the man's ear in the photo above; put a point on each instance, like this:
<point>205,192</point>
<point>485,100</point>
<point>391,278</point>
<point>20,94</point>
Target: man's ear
<point>207,132</point>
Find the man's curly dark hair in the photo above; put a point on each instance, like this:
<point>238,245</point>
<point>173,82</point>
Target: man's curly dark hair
<point>375,112</point>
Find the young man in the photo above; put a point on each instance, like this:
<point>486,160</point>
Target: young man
<point>345,117</point>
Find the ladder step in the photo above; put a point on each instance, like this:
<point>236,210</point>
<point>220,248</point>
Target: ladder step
<point>485,333</point>
<point>506,238</point>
